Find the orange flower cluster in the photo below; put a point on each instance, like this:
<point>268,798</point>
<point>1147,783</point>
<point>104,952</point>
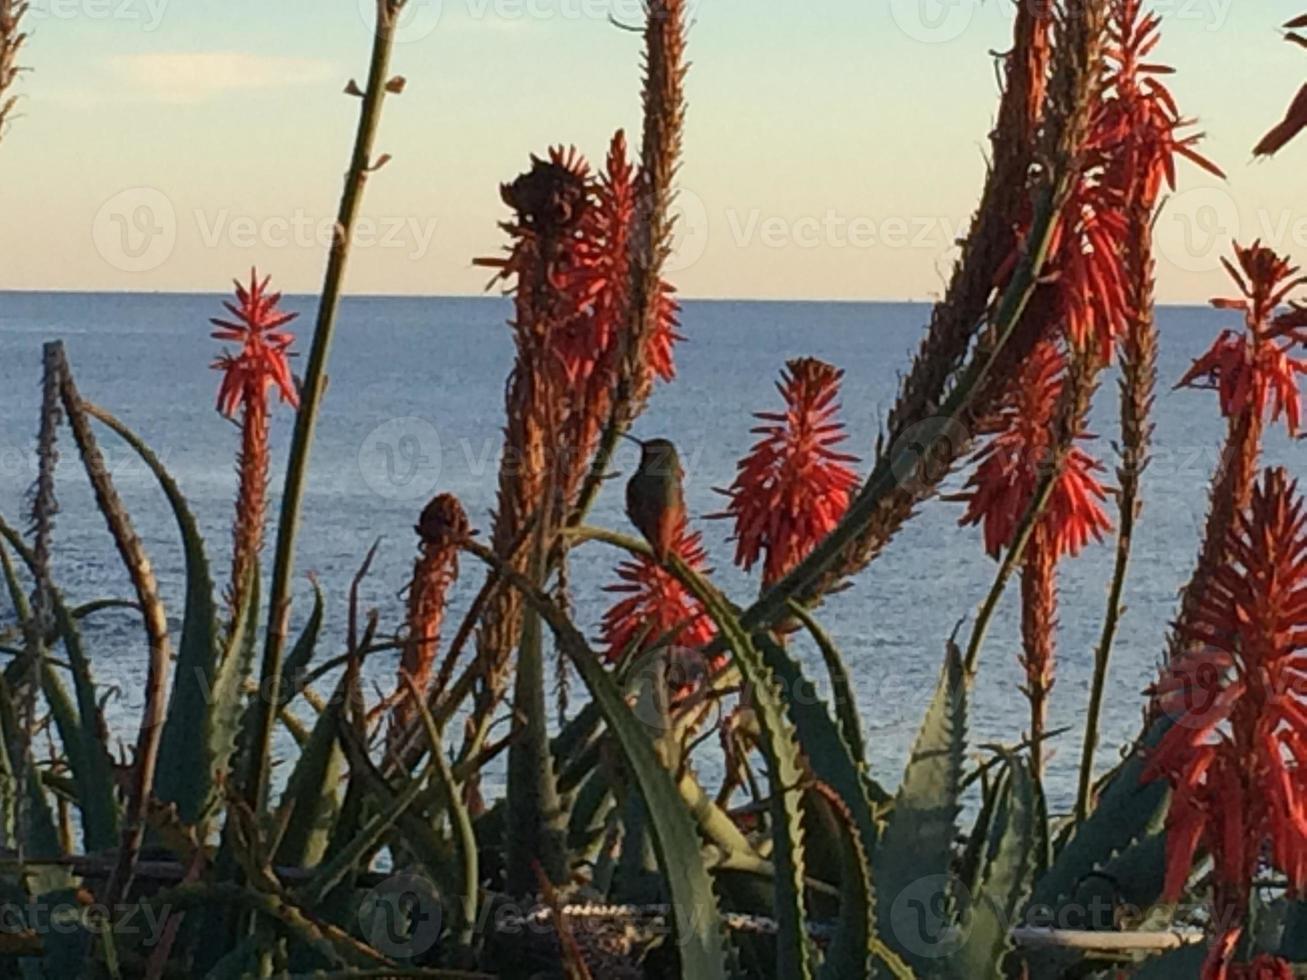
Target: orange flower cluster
<point>599,280</point>
<point>1134,137</point>
<point>573,235</point>
<point>261,363</point>
<point>656,605</point>
<point>1011,465</point>
<point>1253,371</point>
<point>1139,125</point>
<point>794,486</point>
<point>1236,755</point>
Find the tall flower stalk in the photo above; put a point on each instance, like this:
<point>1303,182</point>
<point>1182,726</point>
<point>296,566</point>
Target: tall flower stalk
<point>585,267</point>
<point>989,243</point>
<point>645,338</point>
<point>361,166</point>
<point>1068,334</point>
<point>259,366</point>
<point>1004,487</point>
<point>1235,755</point>
<point>1254,373</point>
<point>550,202</point>
<point>1150,135</point>
<point>570,267</point>
<point>922,448</point>
<point>794,485</point>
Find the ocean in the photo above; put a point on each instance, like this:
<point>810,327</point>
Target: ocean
<point>415,407</point>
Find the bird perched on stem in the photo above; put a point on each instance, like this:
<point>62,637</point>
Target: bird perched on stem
<point>655,501</point>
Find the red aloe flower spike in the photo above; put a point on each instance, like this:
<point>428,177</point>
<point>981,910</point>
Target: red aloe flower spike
<point>793,487</point>
<point>1253,371</point>
<point>1134,138</point>
<point>1009,467</point>
<point>263,359</point>
<point>596,280</point>
<point>570,266</point>
<point>656,604</point>
<point>1087,270</point>
<point>441,528</point>
<point>1235,755</point>
<point>551,203</point>
<point>1141,111</point>
<point>261,363</point>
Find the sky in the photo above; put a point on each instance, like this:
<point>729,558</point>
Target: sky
<point>834,149</point>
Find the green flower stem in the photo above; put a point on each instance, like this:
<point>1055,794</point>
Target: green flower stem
<point>311,393</point>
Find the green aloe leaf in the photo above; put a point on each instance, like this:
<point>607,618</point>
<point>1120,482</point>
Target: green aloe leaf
<point>786,773</point>
<point>1132,880</point>
<point>988,917</point>
<point>187,767</point>
<point>344,861</point>
<point>222,721</point>
<point>834,762</point>
<point>914,857</point>
<point>699,936</point>
<point>466,873</point>
<point>310,799</point>
<point>534,810</point>
<point>36,831</point>
<point>81,728</point>
<point>301,654</point>
<point>845,698</point>
<point>95,775</point>
<point>1128,809</point>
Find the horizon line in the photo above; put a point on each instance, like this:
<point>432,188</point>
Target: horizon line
<point>869,301</point>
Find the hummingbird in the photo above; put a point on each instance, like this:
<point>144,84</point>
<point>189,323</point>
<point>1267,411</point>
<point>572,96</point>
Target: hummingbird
<point>655,502</point>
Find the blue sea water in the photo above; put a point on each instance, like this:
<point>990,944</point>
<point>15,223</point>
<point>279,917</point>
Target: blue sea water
<point>415,406</point>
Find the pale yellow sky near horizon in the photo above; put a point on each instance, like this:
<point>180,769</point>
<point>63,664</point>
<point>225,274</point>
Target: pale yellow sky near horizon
<point>833,150</point>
